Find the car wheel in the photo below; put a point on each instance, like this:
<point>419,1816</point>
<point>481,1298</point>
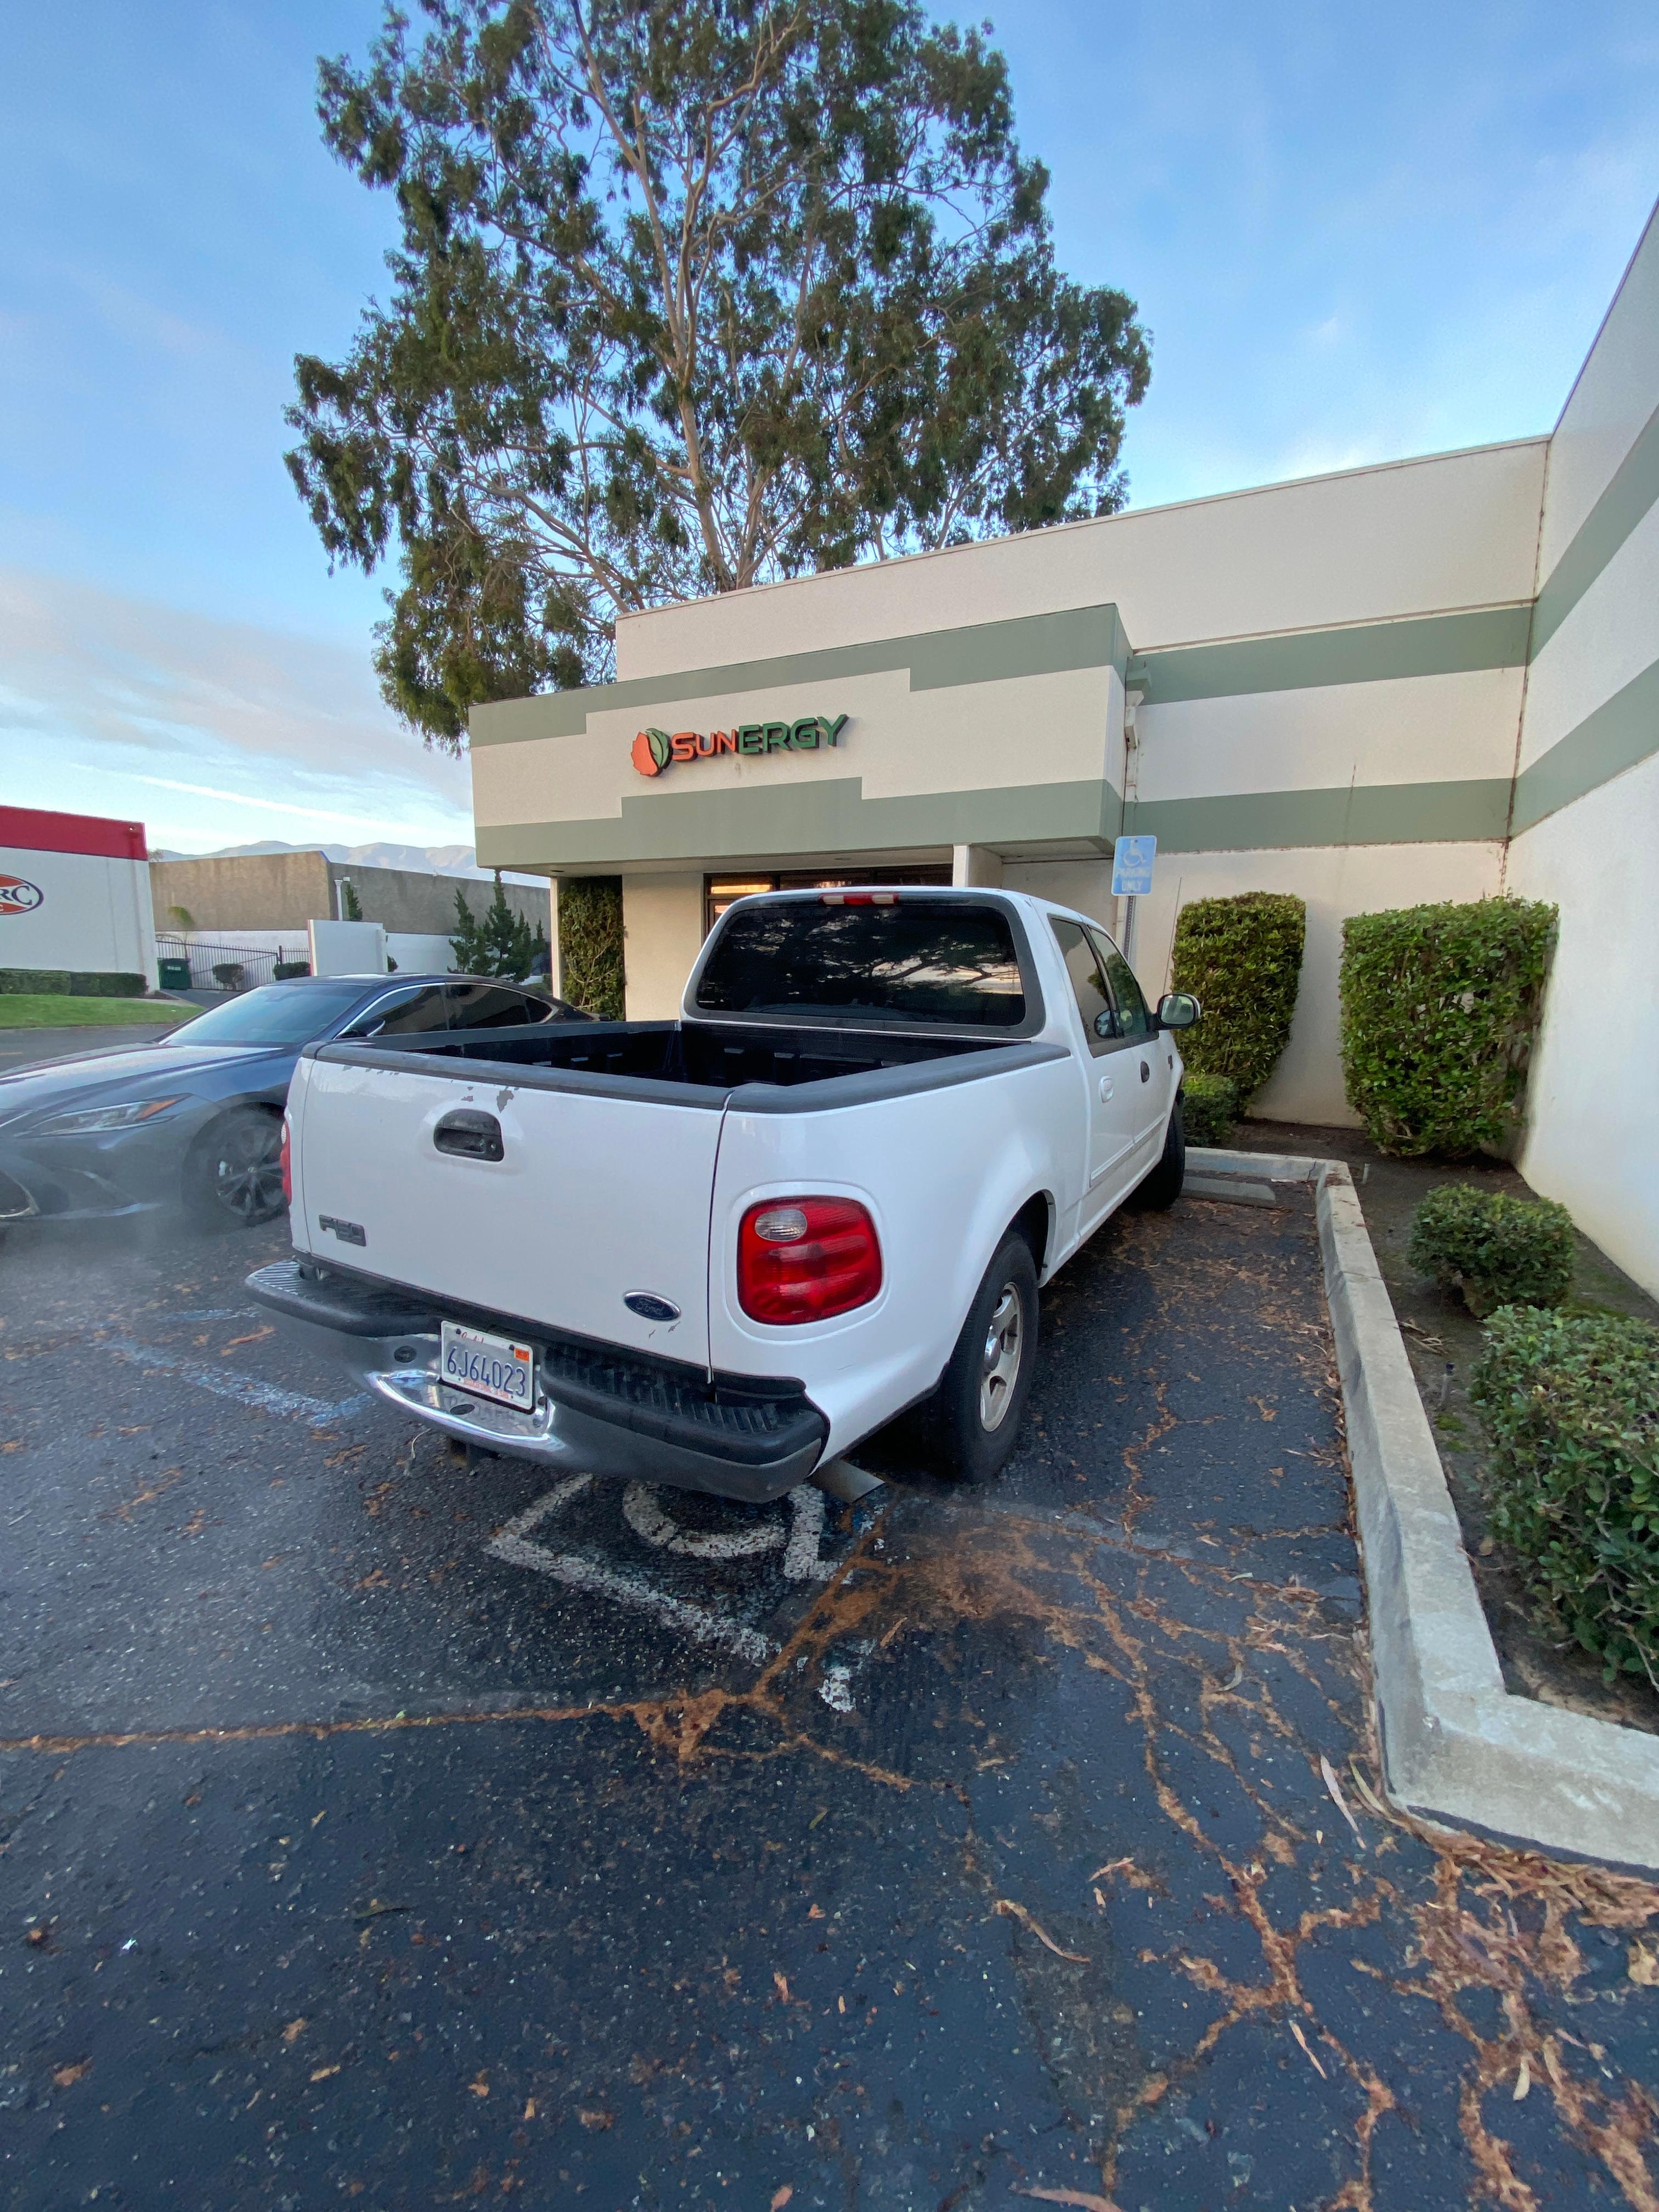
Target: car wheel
<point>972,1422</point>
<point>1163,1187</point>
<point>235,1172</point>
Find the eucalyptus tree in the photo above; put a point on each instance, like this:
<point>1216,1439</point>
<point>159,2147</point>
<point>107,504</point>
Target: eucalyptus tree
<point>687,297</point>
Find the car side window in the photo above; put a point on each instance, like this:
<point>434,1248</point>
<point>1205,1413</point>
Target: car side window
<point>494,1006</point>
<point>1088,985</point>
<point>1132,1019</point>
<point>402,1013</point>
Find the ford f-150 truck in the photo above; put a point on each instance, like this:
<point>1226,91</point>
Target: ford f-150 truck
<point>721,1251</point>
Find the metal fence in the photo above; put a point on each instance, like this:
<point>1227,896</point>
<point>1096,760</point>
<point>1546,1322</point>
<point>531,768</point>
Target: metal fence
<point>228,967</point>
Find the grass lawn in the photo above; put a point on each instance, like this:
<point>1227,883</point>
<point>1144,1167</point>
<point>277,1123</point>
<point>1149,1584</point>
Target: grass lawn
<point>51,1010</point>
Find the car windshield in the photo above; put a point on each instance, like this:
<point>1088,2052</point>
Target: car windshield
<point>912,960</point>
<point>277,1013</point>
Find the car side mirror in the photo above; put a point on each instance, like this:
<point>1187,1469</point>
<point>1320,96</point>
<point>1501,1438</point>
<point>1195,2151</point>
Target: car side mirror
<point>1178,1010</point>
<point>1106,1024</point>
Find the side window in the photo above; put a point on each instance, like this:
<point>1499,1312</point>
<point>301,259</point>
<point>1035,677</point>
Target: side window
<point>402,1013</point>
<point>494,1006</point>
<point>1134,1020</point>
<point>1088,985</point>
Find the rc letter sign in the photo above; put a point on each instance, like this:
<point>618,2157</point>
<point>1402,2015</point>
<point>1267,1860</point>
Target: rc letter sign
<point>19,896</point>
<point>653,750</point>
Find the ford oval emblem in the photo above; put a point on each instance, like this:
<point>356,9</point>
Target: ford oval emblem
<point>649,1307</point>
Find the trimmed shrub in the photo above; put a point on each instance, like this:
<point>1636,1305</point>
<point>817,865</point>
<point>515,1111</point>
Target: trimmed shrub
<point>1439,1006</point>
<point>1569,1404</point>
<point>591,945</point>
<point>1242,960</point>
<point>1495,1249</point>
<point>1209,1107</point>
<point>284,969</point>
<point>75,983</point>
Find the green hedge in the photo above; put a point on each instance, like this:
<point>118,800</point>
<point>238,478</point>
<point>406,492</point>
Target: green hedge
<point>1439,1006</point>
<point>1569,1404</point>
<point>64,982</point>
<point>1242,960</point>
<point>591,945</point>
<point>1495,1249</point>
<point>1209,1107</point>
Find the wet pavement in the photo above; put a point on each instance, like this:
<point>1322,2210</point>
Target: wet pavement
<point>375,1827</point>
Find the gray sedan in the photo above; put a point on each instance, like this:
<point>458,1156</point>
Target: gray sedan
<point>196,1118</point>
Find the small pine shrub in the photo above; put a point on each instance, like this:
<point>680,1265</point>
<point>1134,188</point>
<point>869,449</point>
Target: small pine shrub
<point>591,945</point>
<point>1570,1406</point>
<point>1439,1006</point>
<point>1242,960</point>
<point>1209,1107</point>
<point>1495,1249</point>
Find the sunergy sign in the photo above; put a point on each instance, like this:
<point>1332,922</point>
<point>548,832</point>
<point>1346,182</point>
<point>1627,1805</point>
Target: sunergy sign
<point>653,750</point>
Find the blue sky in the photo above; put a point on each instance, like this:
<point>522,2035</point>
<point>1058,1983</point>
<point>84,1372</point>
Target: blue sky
<point>1353,234</point>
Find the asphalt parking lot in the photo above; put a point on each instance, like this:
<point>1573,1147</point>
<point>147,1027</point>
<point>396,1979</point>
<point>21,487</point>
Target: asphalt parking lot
<point>381,1828</point>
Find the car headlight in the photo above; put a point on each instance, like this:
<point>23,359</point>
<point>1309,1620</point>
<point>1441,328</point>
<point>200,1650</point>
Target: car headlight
<point>127,1117</point>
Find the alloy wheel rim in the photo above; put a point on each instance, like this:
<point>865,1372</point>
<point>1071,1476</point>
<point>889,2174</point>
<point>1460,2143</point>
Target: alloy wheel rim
<point>248,1179</point>
<point>1005,1345</point>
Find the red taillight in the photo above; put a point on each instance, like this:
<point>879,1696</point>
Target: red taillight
<point>858,899</point>
<point>806,1258</point>
<point>288,1166</point>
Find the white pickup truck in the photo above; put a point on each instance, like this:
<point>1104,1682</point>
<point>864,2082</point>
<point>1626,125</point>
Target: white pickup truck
<point>720,1252</point>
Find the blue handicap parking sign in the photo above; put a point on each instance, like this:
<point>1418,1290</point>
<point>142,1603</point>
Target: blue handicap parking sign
<point>1131,866</point>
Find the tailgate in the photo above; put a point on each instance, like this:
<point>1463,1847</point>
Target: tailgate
<point>595,1196</point>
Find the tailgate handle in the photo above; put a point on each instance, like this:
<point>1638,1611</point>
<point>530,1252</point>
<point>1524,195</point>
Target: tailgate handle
<point>470,1134</point>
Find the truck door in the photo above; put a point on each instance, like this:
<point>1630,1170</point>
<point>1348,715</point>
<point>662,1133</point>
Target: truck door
<point>1147,1062</point>
<point>1111,1075</point>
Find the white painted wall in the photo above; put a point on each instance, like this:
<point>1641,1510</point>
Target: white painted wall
<point>347,948</point>
<point>662,933</point>
<point>94,915</point>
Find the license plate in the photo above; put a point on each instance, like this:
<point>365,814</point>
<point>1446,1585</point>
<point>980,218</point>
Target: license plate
<point>488,1366</point>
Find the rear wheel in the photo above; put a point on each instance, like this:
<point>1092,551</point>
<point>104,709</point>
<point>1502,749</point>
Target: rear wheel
<point>1163,1187</point>
<point>972,1422</point>
<point>235,1173</point>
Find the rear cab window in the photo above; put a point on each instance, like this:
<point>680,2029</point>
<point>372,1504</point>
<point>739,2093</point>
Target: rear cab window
<point>876,956</point>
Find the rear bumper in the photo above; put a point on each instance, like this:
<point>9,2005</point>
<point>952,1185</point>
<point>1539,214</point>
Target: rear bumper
<point>599,1410</point>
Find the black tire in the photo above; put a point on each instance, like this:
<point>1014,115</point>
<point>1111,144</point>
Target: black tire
<point>971,1423</point>
<point>233,1177</point>
<point>1163,1187</point>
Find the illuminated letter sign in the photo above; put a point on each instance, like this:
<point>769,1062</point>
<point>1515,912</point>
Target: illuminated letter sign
<point>653,750</point>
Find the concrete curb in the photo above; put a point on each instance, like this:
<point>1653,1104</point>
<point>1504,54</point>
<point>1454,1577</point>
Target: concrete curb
<point>1455,1743</point>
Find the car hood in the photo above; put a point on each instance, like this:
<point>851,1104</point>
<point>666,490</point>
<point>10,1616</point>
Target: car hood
<point>132,1072</point>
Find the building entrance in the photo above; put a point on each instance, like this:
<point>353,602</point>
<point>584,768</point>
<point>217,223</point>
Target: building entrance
<point>718,891</point>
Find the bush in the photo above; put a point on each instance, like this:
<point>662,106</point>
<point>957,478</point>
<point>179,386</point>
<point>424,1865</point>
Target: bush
<point>1242,960</point>
<point>1497,1250</point>
<point>1569,1404</point>
<point>1439,1005</point>
<point>502,944</point>
<point>230,974</point>
<point>73,983</point>
<point>1209,1107</point>
<point>284,969</point>
<point>591,945</point>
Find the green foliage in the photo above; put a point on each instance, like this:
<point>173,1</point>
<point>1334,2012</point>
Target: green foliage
<point>1439,1006</point>
<point>284,969</point>
<point>1209,1107</point>
<point>230,974</point>
<point>75,983</point>
<point>501,943</point>
<point>1496,1249</point>
<point>1569,1404</point>
<point>591,945</point>
<point>57,1010</point>
<point>351,907</point>
<point>687,299</point>
<point>1242,960</point>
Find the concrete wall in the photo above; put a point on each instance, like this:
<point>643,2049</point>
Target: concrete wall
<point>1587,797</point>
<point>286,891</point>
<point>93,915</point>
<point>662,933</point>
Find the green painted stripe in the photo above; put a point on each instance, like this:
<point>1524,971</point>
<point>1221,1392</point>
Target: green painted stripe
<point>771,820</point>
<point>1365,652</point>
<point>1620,733</point>
<point>978,653</point>
<point>1631,489</point>
<point>1451,813</point>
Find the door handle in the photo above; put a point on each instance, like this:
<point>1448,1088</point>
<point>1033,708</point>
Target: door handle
<point>469,1134</point>
<point>1145,1071</point>
<point>1105,1087</point>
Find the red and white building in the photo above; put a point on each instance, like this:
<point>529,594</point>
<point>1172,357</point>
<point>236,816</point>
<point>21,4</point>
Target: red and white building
<point>75,894</point>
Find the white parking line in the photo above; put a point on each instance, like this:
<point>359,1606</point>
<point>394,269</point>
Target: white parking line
<point>225,1382</point>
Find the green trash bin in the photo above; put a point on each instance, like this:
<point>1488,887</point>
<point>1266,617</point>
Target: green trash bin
<point>175,975</point>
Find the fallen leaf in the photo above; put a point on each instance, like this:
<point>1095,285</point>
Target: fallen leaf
<point>322,2073</point>
<point>294,2030</point>
<point>817,1816</point>
<point>1313,2056</point>
<point>253,1338</point>
<point>841,2004</point>
<point>781,1986</point>
<point>1006,1909</point>
<point>781,2196</point>
<point>1643,1966</point>
<point>816,1912</point>
<point>530,2108</point>
<point>67,2077</point>
<point>1337,1799</point>
<point>593,2122</point>
<point>480,2085</point>
<point>1522,2081</point>
<point>1081,2197</point>
<point>1367,1792</point>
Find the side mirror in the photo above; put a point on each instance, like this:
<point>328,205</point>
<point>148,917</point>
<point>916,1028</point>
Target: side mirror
<point>1178,1010</point>
<point>1106,1024</point>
